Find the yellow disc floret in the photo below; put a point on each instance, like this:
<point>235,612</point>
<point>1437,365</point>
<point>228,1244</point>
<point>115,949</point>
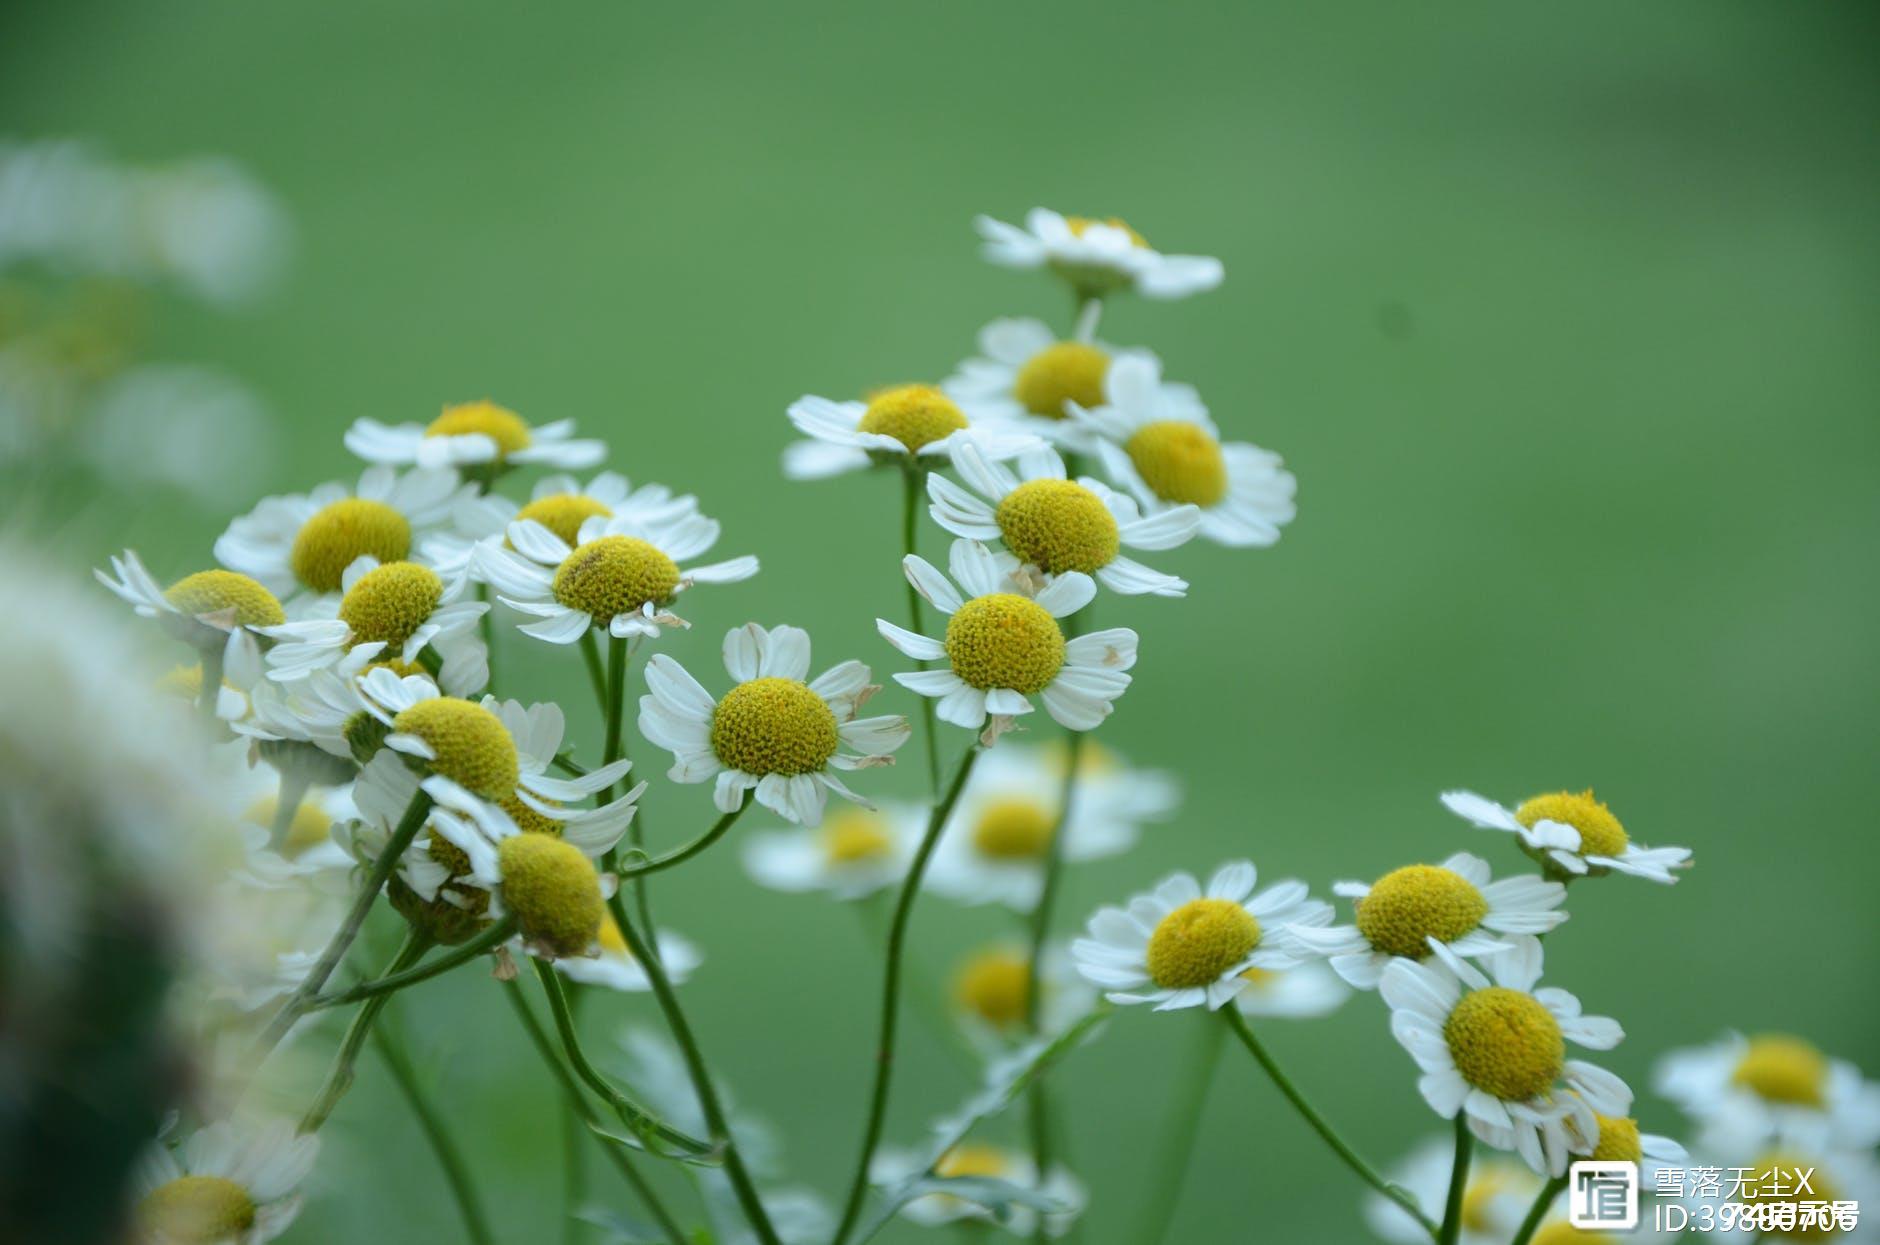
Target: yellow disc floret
<point>852,836</point>
<point>554,891</point>
<point>1199,941</point>
<point>1058,526</point>
<point>210,592</point>
<point>994,986</point>
<point>564,513</point>
<point>973,1159</point>
<point>612,941</point>
<point>473,748</point>
<point>1504,1042</point>
<point>914,415</point>
<point>1600,832</point>
<point>1179,461</point>
<point>350,528</point>
<point>529,820</point>
<point>774,726</point>
<point>196,1210</point>
<point>500,424</point>
<point>1005,640</point>
<point>1780,1068</point>
<point>309,827</point>
<point>1618,1139</point>
<point>1560,1232</point>
<point>1060,373</point>
<point>615,575</point>
<point>1014,828</point>
<point>1079,225</point>
<point>390,602</point>
<point>1418,902</point>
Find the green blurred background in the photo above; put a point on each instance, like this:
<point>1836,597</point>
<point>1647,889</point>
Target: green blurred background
<point>1564,315</point>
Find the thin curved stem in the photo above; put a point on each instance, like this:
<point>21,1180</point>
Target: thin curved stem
<point>436,1132</point>
<point>339,1077</point>
<point>1538,1211</point>
<point>615,707</point>
<point>1364,1170</point>
<point>1458,1182</point>
<point>212,661</point>
<point>891,992</point>
<point>571,1091</point>
<point>292,790</point>
<point>1178,1132</point>
<point>679,855</point>
<point>495,934</point>
<point>913,478</point>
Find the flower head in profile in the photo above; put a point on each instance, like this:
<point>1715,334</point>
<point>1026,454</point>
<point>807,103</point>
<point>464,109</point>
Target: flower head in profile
<point>1494,1047</point>
<point>299,545</point>
<point>854,853</point>
<point>1169,453</point>
<point>1409,911</point>
<point>1097,257</point>
<point>976,1161</point>
<point>620,574</point>
<point>1181,946</point>
<point>902,424</point>
<point>476,437</point>
<point>561,503</point>
<point>392,612</point>
<point>1572,834</point>
<point>616,968</point>
<point>776,732</point>
<point>202,609</point>
<point>229,1182</point>
<point>1054,525</point>
<point>1781,1088</point>
<point>1004,644</point>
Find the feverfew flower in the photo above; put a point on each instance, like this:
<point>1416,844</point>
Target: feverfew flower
<point>906,424</point>
<point>560,503</point>
<point>856,851</point>
<point>1097,257</point>
<point>1306,992</point>
<point>202,610</point>
<point>975,1160</point>
<point>1776,1085</point>
<point>1572,834</point>
<point>397,609</point>
<point>234,1183</point>
<point>479,437</point>
<point>617,969</point>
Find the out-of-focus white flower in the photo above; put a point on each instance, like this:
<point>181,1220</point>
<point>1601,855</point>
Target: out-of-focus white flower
<point>1097,257</point>
<point>856,851</point>
<point>474,435</point>
<point>231,1183</point>
<point>1773,1087</point>
<point>970,1160</point>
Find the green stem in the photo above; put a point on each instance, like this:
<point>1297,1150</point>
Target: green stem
<point>571,1092</point>
<point>1040,935</point>
<point>597,678</point>
<point>336,948</point>
<point>1458,1182</point>
<point>293,789</point>
<point>891,993</point>
<point>1538,1211</point>
<point>913,479</point>
<point>715,1120</point>
<point>679,855</point>
<point>496,933</point>
<point>1364,1170</point>
<point>339,1077</point>
<point>616,711</point>
<point>568,765</point>
<point>436,1132</point>
<point>212,658</point>
<point>1179,1130</point>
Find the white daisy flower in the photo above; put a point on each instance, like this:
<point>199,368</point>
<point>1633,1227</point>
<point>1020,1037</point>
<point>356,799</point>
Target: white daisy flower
<point>620,574</point>
<point>1306,992</point>
<point>228,1183</point>
<point>992,992</point>
<point>1004,645</point>
<point>202,610</point>
<point>1776,1085</point>
<point>907,424</point>
<point>975,1160</point>
<point>1494,1048</point>
<point>993,848</point>
<point>1178,946</point>
<point>560,503</point>
<point>397,609</point>
<point>1571,834</point>
<point>1097,257</point>
<point>1169,453</point>
<point>480,437</point>
<point>299,545</point>
<point>1812,1179</point>
<point>1411,910</point>
<point>855,853</point>
<point>1054,524</point>
<point>616,968</point>
<point>1494,1201</point>
<point>773,732</point>
<point>1025,376</point>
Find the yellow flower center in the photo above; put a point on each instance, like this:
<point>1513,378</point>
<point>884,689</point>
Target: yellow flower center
<point>1199,941</point>
<point>1408,905</point>
<point>1780,1068</point>
<point>774,726</point>
<point>853,835</point>
<point>309,827</point>
<point>1005,640</point>
<point>473,747</point>
<point>1060,373</point>
<point>183,681</point>
<point>994,986</point>
<point>1560,1232</point>
<point>1600,832</point>
<point>615,575</point>
<point>527,819</point>
<point>1014,828</point>
<point>554,891</point>
<point>207,592</point>
<point>1776,1177</point>
<point>1618,1139</point>
<point>350,528</point>
<point>501,425</point>
<point>914,415</point>
<point>1503,1041</point>
<point>197,1209</point>
<point>398,666</point>
<point>390,602</point>
<point>1058,526</point>
<point>1478,1198</point>
<point>564,513</point>
<point>972,1159</point>
<point>612,941</point>
<point>1080,224</point>
<point>1179,461</point>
